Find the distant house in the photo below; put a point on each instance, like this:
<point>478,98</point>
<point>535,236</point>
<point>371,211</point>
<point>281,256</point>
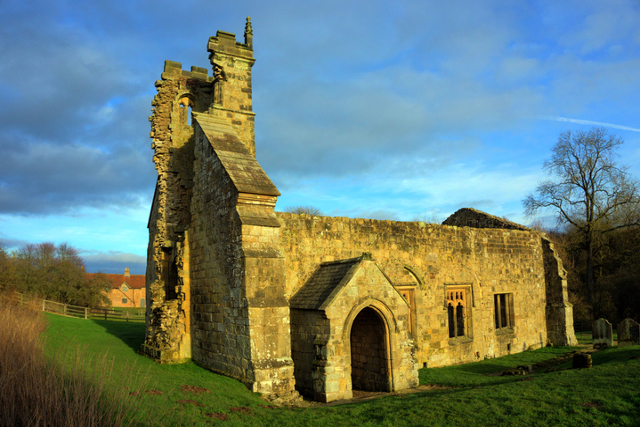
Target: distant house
<point>127,290</point>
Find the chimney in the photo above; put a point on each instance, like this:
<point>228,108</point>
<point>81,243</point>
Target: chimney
<point>126,272</point>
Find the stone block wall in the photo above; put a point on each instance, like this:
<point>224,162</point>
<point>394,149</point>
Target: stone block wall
<point>308,327</point>
<point>221,338</point>
<point>488,261</point>
<point>239,306</point>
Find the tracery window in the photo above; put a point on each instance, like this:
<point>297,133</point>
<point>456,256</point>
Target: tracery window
<point>457,310</point>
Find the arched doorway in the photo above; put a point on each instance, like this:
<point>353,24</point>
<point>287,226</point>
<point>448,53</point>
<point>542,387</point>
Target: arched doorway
<point>370,362</point>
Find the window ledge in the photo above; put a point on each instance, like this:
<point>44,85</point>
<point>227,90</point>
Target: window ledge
<point>460,340</point>
<point>505,331</point>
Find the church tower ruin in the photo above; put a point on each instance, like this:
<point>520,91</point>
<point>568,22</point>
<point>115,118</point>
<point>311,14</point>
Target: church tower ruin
<point>215,275</point>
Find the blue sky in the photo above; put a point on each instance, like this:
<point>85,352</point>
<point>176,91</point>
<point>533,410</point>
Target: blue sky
<point>364,109</point>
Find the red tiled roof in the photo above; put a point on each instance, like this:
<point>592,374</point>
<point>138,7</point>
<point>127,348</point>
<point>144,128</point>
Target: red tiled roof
<point>134,281</point>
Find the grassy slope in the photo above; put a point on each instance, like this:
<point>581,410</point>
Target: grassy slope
<point>607,394</point>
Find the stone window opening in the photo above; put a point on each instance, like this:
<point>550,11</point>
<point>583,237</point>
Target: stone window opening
<point>186,109</point>
<point>170,274</point>
<point>124,288</point>
<point>124,300</point>
<point>503,314</point>
<point>172,281</point>
<point>457,312</point>
<point>408,292</point>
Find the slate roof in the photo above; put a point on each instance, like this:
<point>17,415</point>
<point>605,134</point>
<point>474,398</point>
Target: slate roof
<point>322,283</point>
<point>243,169</point>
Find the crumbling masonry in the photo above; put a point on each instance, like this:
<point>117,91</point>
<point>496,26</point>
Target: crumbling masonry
<point>318,305</point>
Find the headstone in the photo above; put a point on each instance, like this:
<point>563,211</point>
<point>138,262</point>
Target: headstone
<point>602,333</point>
<point>581,360</point>
<point>628,333</point>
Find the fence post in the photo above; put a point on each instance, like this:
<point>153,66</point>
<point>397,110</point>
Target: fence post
<point>44,304</point>
<point>64,309</point>
<point>105,314</point>
<point>86,309</point>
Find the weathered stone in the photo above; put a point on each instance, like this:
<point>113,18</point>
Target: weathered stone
<point>628,333</point>
<point>602,333</point>
<point>322,305</point>
<point>581,361</point>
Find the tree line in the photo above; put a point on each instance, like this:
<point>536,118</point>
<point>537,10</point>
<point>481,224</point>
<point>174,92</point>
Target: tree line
<point>597,206</point>
<point>51,272</point>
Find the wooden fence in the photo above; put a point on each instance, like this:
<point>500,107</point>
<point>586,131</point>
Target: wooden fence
<point>80,312</point>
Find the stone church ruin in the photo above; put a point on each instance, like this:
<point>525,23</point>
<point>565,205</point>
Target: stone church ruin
<point>292,303</point>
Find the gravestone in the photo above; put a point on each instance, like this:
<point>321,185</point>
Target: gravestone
<point>628,333</point>
<point>581,361</point>
<point>602,332</point>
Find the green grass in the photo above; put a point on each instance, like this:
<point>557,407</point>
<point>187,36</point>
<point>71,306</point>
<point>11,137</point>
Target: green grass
<point>479,373</point>
<point>606,394</point>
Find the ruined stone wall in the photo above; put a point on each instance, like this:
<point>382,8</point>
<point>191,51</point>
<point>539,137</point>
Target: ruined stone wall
<point>559,311</point>
<point>168,307</point>
<point>488,261</point>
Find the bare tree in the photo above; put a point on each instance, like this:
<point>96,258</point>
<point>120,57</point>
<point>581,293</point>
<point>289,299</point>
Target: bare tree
<point>429,218</point>
<point>592,192</point>
<point>309,210</point>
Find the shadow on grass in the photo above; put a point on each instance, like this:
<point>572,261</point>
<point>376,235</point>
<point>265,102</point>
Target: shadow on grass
<point>130,333</point>
<point>615,354</point>
<point>481,368</point>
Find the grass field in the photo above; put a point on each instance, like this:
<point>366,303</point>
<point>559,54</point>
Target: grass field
<point>607,394</point>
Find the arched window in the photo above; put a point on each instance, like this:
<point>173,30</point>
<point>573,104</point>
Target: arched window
<point>186,108</point>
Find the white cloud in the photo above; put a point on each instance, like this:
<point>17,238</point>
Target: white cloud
<point>589,122</point>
